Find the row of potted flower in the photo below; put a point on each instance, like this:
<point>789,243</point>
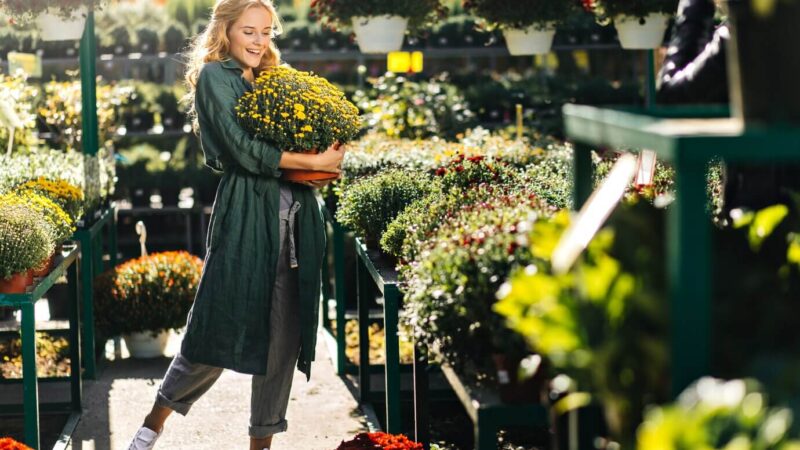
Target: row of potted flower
<point>35,218</point>
<point>528,27</point>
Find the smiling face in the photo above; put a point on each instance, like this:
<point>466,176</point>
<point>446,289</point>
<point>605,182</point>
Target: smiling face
<point>250,37</point>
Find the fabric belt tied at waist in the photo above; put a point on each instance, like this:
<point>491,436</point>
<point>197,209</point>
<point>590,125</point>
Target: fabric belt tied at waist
<point>289,215</point>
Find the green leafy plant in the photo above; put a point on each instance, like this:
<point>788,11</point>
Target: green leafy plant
<point>399,107</point>
<point>449,289</point>
<point>718,414</point>
<point>370,204</point>
<point>27,9</point>
<point>60,224</point>
<point>25,241</point>
<point>151,293</point>
<point>339,14</point>
<point>604,322</point>
<point>516,14</point>
<point>607,10</point>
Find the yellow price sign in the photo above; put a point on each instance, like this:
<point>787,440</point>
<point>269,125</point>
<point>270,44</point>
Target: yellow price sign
<point>30,63</point>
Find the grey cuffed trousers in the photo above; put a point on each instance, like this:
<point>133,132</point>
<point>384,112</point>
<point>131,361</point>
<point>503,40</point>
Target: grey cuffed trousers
<point>185,382</point>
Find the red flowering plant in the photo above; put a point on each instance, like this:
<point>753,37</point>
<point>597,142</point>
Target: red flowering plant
<point>151,293</point>
<point>379,441</point>
<point>449,289</point>
<point>338,14</point>
<point>8,443</point>
<point>516,14</point>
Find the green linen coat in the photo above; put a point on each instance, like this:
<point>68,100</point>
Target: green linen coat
<point>228,325</point>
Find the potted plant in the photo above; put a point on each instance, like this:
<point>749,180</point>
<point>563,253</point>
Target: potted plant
<point>762,61</point>
<point>309,115</point>
<point>57,20</point>
<point>379,25</point>
<point>142,299</point>
<point>8,443</point>
<point>370,204</point>
<point>640,24</point>
<point>528,27</point>
<point>379,440</point>
<point>25,242</point>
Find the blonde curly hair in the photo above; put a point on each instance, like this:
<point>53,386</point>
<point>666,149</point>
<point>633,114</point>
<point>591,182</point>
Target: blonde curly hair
<point>213,44</point>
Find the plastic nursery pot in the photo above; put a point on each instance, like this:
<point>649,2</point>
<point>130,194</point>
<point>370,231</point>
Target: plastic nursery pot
<point>641,34</point>
<point>763,63</point>
<point>53,27</point>
<point>17,284</point>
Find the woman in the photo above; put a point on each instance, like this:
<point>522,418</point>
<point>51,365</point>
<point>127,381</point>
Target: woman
<point>249,314</point>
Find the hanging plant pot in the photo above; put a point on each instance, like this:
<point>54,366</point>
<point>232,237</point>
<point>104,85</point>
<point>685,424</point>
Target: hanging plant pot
<point>146,344</point>
<point>380,34</point>
<point>17,284</point>
<point>53,27</point>
<point>763,63</point>
<point>533,40</point>
<point>641,34</point>
<point>307,175</point>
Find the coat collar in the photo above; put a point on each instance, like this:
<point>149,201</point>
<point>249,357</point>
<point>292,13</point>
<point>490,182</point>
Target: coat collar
<point>230,63</point>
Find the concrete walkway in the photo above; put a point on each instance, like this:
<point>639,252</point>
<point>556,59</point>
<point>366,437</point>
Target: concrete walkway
<point>321,414</point>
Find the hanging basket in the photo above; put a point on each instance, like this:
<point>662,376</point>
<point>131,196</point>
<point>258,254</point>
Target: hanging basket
<point>55,28</point>
<point>145,344</point>
<point>17,284</point>
<point>529,41</point>
<point>380,34</point>
<point>763,64</point>
<point>641,34</point>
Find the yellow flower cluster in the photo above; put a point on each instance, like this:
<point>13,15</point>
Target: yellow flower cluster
<point>60,225</point>
<point>297,111</point>
<point>70,198</point>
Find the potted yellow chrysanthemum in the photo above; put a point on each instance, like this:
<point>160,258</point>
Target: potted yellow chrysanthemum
<point>300,112</point>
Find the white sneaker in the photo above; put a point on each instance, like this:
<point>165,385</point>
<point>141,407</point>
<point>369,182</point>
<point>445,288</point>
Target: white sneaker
<point>144,439</point>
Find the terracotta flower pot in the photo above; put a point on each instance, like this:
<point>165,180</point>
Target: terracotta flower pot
<point>307,175</point>
<point>45,268</point>
<point>17,284</point>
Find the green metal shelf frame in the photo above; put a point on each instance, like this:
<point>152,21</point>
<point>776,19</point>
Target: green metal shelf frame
<point>689,144</point>
<point>69,263</point>
<point>91,242</point>
<point>372,272</point>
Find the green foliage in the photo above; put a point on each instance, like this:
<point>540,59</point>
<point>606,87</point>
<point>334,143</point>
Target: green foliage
<point>339,14</point>
<point>549,176</point>
<point>151,293</point>
<point>370,204</point>
<point>52,357</point>
<point>449,289</point>
<point>189,12</point>
<point>609,9</point>
<point>716,414</point>
<point>25,10</point>
<point>516,14</point>
<point>59,224</point>
<point>604,322</point>
<point>25,241</point>
<point>402,108</point>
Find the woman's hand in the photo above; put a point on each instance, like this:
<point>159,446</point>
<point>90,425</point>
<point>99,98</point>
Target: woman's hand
<point>331,159</point>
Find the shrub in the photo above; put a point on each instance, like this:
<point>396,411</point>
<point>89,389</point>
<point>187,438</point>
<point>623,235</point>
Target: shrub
<point>7,443</point>
<point>449,290</point>
<point>370,204</point>
<point>25,241</point>
<point>151,293</point>
<point>375,441</point>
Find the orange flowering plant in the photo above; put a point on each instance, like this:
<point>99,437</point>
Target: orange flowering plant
<point>151,293</point>
<point>8,443</point>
